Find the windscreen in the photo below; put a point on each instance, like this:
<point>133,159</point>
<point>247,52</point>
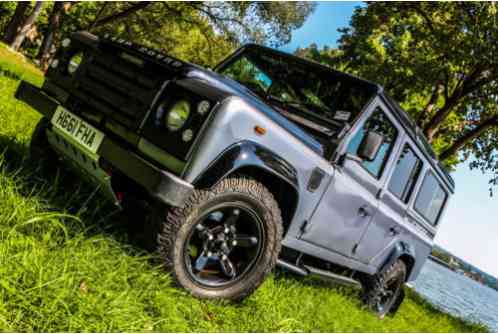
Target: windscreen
<point>303,88</point>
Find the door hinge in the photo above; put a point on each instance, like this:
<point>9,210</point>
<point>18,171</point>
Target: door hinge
<point>303,226</point>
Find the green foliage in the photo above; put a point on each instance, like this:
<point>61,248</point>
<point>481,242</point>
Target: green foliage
<point>67,265</point>
<point>182,32</point>
<point>439,60</point>
<point>7,9</point>
<point>200,32</point>
<point>445,257</point>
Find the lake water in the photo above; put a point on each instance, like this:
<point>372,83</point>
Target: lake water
<point>458,295</point>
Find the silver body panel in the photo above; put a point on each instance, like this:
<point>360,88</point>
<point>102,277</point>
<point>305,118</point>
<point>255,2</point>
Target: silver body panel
<point>335,232</point>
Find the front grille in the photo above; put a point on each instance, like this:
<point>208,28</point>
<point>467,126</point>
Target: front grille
<point>106,88</point>
<point>115,87</point>
<point>119,91</point>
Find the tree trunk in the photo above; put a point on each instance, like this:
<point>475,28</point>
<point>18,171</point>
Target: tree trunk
<point>469,136</point>
<point>26,26</point>
<point>58,11</point>
<point>431,104</point>
<point>16,21</point>
<point>431,128</point>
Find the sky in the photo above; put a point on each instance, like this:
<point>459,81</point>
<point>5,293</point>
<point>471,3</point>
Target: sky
<point>469,228</point>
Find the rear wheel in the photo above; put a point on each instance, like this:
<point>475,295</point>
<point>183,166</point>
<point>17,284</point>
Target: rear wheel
<point>225,241</point>
<point>383,292</point>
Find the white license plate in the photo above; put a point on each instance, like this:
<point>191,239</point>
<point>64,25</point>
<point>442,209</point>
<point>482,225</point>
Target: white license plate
<point>76,128</point>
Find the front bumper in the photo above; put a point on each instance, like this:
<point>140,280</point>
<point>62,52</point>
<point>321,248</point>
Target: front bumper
<point>159,183</point>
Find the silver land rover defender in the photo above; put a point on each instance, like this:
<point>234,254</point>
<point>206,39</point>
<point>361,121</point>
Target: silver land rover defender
<point>266,160</point>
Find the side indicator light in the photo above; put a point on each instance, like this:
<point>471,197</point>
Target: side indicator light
<point>259,130</point>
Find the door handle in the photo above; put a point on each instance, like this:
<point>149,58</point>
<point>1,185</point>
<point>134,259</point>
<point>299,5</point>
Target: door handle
<point>363,211</point>
<point>394,231</point>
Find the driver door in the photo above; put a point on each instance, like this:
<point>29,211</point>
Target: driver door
<point>351,200</point>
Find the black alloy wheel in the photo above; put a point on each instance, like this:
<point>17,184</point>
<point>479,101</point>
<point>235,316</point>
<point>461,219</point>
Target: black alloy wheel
<point>383,292</point>
<point>224,241</point>
<point>224,245</point>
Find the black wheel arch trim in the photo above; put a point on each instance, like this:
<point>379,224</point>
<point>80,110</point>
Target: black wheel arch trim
<point>247,154</point>
<point>400,250</point>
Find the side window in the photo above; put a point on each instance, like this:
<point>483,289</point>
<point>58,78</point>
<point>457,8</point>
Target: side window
<point>405,174</point>
<point>430,199</point>
<point>379,123</point>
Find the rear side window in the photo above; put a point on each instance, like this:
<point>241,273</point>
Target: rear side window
<point>379,123</point>
<point>430,199</point>
<point>405,174</point>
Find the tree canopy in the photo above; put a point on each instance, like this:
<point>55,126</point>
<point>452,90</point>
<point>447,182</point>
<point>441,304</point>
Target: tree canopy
<point>202,32</point>
<point>440,61</point>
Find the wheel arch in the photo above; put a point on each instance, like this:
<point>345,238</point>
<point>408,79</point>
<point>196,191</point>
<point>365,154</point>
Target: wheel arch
<point>251,159</point>
<point>404,252</point>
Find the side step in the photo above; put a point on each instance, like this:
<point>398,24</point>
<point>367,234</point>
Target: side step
<point>308,270</point>
<point>333,277</point>
<point>291,267</point>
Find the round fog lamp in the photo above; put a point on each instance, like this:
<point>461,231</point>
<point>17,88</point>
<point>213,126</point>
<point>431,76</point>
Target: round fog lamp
<point>203,107</point>
<point>177,115</point>
<point>187,135</point>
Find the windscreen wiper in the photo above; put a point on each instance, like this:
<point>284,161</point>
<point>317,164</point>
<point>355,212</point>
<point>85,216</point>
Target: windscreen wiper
<point>305,110</point>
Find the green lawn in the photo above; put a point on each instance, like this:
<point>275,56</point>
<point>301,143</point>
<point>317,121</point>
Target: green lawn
<point>66,263</point>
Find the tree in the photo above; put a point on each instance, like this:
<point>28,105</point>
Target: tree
<point>202,32</point>
<point>58,10</point>
<point>16,21</point>
<point>20,25</point>
<point>213,28</point>
<point>440,61</point>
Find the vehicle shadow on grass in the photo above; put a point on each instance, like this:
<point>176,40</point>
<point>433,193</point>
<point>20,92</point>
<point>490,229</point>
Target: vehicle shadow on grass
<point>61,191</point>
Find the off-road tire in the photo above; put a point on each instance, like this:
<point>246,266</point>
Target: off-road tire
<point>401,296</point>
<point>372,287</point>
<point>178,223</point>
<point>40,154</point>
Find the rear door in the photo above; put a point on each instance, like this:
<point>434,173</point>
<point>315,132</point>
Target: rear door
<point>387,225</point>
<point>350,201</point>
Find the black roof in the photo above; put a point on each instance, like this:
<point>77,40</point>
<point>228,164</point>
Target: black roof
<point>411,128</point>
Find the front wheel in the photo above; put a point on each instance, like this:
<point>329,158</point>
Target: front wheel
<point>383,292</point>
<point>225,241</point>
<point>40,152</point>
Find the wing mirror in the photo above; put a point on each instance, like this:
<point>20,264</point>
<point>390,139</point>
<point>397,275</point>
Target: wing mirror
<point>370,145</point>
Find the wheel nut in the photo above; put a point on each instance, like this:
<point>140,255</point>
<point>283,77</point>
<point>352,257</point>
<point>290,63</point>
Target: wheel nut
<point>227,230</point>
<point>236,212</point>
<point>210,254</point>
<point>234,243</point>
<point>210,237</point>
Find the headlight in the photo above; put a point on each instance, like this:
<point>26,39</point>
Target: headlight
<point>74,62</point>
<point>177,115</point>
<point>203,107</point>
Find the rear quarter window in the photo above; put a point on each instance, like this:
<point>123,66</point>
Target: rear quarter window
<point>431,199</point>
<point>405,175</point>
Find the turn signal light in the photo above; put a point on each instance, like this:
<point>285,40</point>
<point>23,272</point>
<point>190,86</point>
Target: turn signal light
<point>259,130</point>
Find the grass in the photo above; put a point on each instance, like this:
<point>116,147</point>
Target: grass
<point>67,264</point>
